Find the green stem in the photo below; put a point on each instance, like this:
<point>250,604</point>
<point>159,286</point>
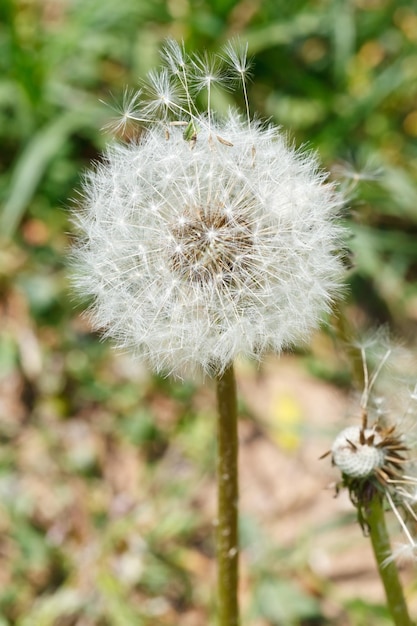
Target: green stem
<point>374,515</point>
<point>227,486</point>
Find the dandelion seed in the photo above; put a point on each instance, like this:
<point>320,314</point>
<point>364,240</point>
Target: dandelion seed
<point>163,95</point>
<point>352,174</point>
<point>206,71</point>
<point>174,57</point>
<point>127,112</point>
<point>236,54</point>
<point>206,238</point>
<point>356,173</point>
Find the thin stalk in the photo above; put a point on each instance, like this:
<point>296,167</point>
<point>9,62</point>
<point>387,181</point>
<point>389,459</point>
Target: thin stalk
<point>227,489</point>
<point>388,572</point>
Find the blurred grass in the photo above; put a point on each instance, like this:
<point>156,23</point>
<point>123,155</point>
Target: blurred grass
<point>103,469</point>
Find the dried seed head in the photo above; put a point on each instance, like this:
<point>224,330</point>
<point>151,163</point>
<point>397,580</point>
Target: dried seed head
<point>379,455</point>
<point>356,452</point>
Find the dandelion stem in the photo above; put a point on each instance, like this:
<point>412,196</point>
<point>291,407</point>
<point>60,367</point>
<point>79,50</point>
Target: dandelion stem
<point>374,515</point>
<point>227,485</point>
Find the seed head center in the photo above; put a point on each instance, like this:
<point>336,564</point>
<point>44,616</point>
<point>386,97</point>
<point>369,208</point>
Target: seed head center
<point>210,245</point>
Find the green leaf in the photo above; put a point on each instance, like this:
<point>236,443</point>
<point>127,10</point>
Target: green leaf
<point>282,602</point>
<point>32,165</point>
<point>48,610</point>
<point>114,600</point>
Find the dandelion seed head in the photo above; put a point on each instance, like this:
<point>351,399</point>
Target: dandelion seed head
<point>205,238</point>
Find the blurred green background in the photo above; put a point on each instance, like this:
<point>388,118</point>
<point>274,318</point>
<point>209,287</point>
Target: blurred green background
<point>100,518</point>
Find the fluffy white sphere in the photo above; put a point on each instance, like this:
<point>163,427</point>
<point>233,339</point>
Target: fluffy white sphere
<point>199,250</point>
